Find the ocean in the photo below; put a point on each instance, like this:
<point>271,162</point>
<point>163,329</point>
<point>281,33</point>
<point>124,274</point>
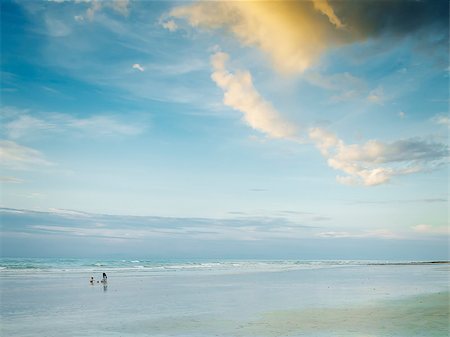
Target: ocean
<point>53,297</point>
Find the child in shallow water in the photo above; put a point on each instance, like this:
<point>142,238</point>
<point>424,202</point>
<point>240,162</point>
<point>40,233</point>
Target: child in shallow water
<point>91,281</point>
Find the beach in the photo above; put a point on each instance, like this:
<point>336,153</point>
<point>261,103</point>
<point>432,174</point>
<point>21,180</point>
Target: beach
<point>224,298</point>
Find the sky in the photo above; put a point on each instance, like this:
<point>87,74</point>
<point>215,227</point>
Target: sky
<point>225,129</point>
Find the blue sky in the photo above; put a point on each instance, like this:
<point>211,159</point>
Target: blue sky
<point>284,129</point>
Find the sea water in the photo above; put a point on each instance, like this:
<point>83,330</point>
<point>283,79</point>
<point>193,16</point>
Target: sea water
<point>53,297</point>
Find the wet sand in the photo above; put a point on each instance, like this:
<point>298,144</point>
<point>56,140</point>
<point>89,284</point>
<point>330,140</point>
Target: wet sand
<point>349,301</point>
<point>424,316</point>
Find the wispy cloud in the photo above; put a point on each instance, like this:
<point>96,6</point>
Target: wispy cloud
<point>23,124</point>
<point>69,222</point>
<point>442,120</point>
<point>11,180</point>
<point>103,125</point>
<point>431,230</point>
<point>379,233</point>
<point>406,201</point>
<point>15,156</point>
<point>94,6</point>
<point>60,222</point>
<point>68,212</point>
<point>57,28</point>
<point>377,96</point>
<point>344,85</point>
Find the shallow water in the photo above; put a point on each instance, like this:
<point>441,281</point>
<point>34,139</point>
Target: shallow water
<point>240,298</point>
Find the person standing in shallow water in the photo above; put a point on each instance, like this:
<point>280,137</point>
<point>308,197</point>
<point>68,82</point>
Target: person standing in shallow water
<point>105,278</point>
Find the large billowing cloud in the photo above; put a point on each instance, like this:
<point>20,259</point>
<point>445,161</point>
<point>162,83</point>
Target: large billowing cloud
<point>292,33</point>
<point>296,33</point>
<point>241,95</point>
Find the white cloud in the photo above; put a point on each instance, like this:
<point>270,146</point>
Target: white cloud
<point>15,156</point>
<point>324,140</point>
<point>428,229</point>
<point>378,233</point>
<point>402,114</point>
<point>441,120</point>
<point>138,67</point>
<point>170,25</point>
<point>241,95</point>
<point>375,162</point>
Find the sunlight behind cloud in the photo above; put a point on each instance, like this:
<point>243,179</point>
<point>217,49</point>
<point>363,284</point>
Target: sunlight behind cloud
<point>294,34</point>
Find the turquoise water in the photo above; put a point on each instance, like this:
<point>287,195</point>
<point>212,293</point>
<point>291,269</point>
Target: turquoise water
<point>52,297</point>
<point>18,266</point>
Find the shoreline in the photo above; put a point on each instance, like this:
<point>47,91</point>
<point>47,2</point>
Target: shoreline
<point>350,301</point>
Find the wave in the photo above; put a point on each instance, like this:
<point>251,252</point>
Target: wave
<point>46,266</point>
